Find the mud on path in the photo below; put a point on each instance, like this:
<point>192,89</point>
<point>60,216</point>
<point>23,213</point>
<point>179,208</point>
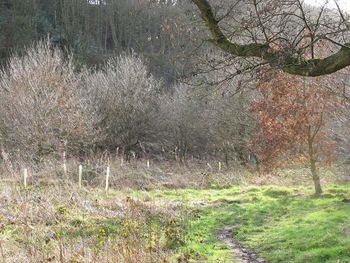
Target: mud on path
<point>242,254</point>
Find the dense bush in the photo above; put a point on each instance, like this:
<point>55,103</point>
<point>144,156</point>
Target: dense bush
<point>49,107</point>
<point>41,106</point>
<point>124,101</point>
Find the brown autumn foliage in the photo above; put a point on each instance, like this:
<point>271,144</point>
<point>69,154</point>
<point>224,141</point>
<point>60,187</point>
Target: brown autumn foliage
<point>290,111</point>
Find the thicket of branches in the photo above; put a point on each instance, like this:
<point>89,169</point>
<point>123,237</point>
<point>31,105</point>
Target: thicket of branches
<point>48,106</point>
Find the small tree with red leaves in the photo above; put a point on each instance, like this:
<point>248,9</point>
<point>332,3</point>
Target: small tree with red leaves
<point>291,115</point>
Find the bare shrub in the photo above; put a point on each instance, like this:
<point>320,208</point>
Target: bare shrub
<point>124,98</point>
<point>230,125</point>
<point>183,124</point>
<point>40,104</point>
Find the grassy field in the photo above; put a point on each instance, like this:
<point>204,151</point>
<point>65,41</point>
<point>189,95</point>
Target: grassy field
<point>282,224</point>
<point>54,222</point>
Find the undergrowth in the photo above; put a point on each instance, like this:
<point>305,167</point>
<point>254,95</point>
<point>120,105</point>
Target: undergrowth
<point>51,221</point>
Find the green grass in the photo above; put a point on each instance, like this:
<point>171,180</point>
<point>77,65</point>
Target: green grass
<point>282,224</point>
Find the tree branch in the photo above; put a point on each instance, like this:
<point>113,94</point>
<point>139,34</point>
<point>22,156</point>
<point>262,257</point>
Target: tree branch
<point>277,59</point>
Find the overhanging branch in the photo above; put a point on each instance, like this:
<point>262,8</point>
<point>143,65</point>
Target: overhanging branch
<point>288,63</point>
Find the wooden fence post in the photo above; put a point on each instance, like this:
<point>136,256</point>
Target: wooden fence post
<point>80,177</point>
<point>64,163</point>
<point>107,178</point>
<point>25,175</point>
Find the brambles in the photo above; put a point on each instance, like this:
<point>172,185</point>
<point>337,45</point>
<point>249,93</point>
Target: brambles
<point>174,232</point>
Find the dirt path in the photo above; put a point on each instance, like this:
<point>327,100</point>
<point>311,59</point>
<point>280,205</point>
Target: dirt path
<point>242,254</point>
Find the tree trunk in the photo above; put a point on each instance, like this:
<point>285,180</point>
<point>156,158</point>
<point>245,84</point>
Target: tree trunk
<point>316,178</point>
<point>227,159</point>
<point>112,24</point>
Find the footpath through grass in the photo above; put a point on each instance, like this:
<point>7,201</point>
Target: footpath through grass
<point>282,224</point>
